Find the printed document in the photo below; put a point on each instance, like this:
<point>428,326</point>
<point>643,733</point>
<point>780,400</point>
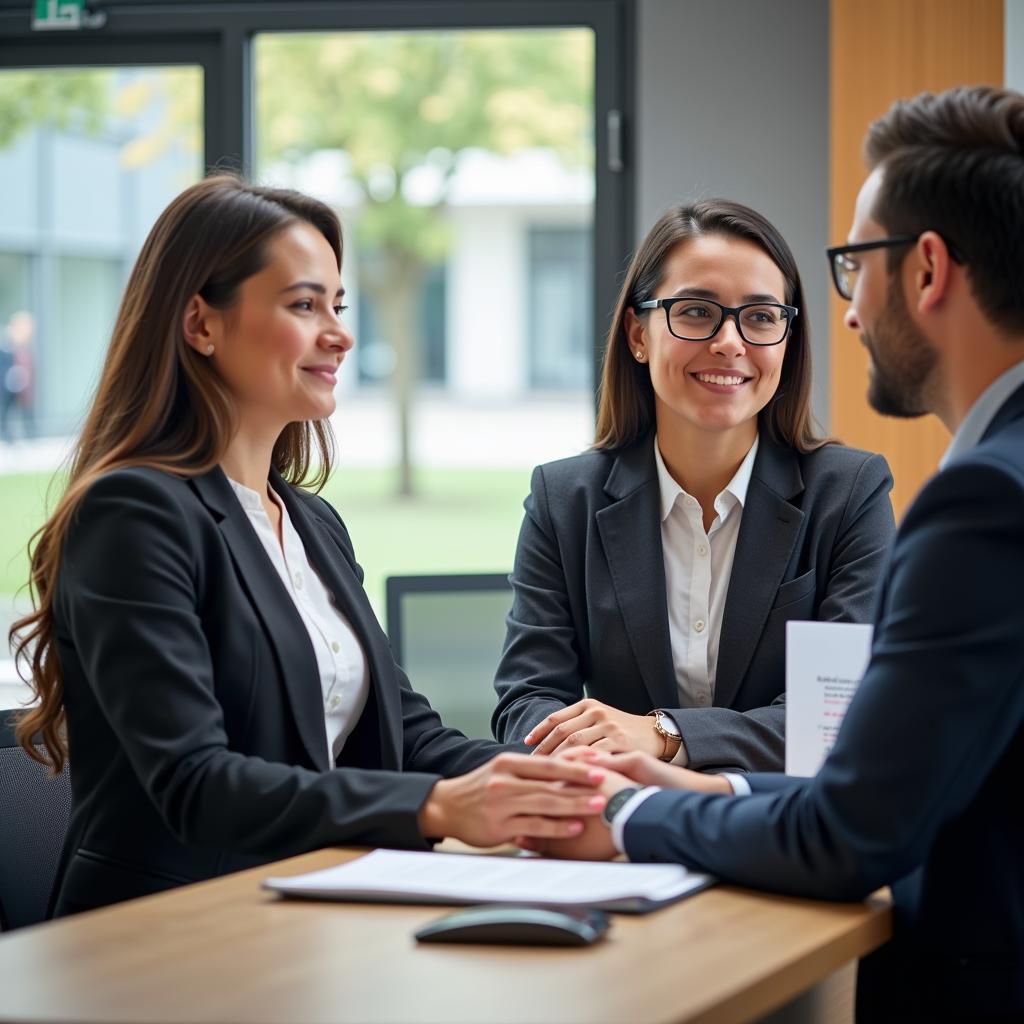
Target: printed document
<point>396,876</point>
<point>824,665</point>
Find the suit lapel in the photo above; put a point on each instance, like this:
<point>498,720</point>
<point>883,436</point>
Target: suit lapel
<point>337,575</point>
<point>768,532</point>
<point>630,530</point>
<point>274,606</point>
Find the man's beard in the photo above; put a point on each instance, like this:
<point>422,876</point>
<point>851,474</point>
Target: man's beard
<point>902,360</point>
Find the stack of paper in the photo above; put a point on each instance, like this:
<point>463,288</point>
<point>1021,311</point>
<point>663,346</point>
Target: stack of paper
<point>393,876</point>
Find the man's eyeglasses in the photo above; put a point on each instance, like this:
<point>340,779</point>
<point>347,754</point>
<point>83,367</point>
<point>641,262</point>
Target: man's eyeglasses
<point>693,319</point>
<point>844,264</point>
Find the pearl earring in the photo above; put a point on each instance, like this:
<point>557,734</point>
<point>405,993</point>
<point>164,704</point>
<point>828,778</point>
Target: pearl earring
<point>209,350</point>
<point>639,356</point>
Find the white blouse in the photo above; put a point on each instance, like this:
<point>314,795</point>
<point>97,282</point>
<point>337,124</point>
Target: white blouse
<point>344,673</point>
<point>698,567</point>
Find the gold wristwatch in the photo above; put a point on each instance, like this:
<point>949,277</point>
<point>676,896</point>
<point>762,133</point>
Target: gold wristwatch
<point>665,726</point>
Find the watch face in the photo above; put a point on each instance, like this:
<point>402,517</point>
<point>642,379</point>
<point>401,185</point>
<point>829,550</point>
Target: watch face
<point>616,802</point>
<point>666,725</point>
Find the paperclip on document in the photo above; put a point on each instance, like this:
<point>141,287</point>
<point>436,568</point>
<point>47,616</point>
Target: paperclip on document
<point>394,876</point>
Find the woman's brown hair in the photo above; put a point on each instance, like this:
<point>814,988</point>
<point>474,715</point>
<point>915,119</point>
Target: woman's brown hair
<point>626,404</point>
<point>159,403</point>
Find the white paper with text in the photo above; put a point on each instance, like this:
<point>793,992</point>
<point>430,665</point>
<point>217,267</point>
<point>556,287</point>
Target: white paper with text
<point>400,876</point>
<point>824,665</point>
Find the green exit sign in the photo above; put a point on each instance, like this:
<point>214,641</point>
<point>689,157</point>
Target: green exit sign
<point>65,14</point>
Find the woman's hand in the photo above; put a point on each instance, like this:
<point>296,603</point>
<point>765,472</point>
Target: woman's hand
<point>514,795</point>
<point>644,770</point>
<point>589,723</point>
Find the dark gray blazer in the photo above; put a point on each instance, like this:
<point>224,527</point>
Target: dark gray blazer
<point>590,616</point>
<point>195,715</point>
<point>922,790</point>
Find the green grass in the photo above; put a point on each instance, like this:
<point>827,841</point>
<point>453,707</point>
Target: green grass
<point>461,520</point>
<point>23,507</point>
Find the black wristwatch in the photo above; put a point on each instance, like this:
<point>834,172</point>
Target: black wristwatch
<point>616,802</point>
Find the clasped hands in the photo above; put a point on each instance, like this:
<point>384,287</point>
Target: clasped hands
<point>552,804</point>
<point>548,805</point>
<point>520,796</point>
<point>590,723</point>
<point>514,795</point>
<point>594,840</point>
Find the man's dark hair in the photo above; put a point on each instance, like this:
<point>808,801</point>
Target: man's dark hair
<point>953,162</point>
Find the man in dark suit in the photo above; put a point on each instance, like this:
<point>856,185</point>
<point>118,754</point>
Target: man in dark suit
<point>922,789</point>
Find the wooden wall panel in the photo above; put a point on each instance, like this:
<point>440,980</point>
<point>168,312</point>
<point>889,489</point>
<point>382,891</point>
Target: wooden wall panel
<point>880,51</point>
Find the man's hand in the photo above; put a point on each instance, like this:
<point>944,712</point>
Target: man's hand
<point>589,723</point>
<point>593,843</point>
<point>514,795</point>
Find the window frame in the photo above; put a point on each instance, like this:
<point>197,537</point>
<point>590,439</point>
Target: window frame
<point>218,37</point>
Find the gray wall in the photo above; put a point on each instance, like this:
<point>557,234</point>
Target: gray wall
<point>732,100</point>
<point>1014,43</point>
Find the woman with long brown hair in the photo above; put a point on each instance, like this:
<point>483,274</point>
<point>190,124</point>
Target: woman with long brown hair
<point>655,574</point>
<point>201,647</point>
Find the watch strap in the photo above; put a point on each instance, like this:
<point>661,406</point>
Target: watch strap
<point>665,726</point>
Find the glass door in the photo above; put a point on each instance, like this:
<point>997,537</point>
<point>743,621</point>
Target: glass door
<point>88,158</point>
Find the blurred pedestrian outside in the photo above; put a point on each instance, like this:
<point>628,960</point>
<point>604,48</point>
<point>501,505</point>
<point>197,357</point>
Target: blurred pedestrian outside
<point>17,376</point>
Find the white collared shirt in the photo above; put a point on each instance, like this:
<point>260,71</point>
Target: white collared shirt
<point>344,673</point>
<point>976,422</point>
<point>698,566</point>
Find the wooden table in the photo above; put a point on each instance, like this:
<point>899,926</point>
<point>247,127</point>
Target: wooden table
<point>226,951</point>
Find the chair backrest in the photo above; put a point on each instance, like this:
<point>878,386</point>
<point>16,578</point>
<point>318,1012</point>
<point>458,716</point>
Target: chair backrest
<point>447,632</point>
<point>34,812</point>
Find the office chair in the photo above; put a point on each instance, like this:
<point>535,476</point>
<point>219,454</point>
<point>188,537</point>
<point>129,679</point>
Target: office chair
<point>447,633</point>
<point>34,811</point>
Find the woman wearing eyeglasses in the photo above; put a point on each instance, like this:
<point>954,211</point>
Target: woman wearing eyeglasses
<point>655,574</point>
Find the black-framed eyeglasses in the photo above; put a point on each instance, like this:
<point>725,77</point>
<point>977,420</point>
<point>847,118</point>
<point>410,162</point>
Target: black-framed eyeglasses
<point>844,264</point>
<point>691,318</point>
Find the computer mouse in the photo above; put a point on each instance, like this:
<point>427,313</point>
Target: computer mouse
<point>510,924</point>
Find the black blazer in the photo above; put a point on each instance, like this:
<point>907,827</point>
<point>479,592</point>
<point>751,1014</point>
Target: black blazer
<point>590,614</point>
<point>923,787</point>
<point>195,716</point>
